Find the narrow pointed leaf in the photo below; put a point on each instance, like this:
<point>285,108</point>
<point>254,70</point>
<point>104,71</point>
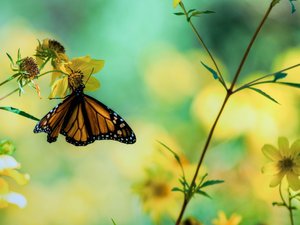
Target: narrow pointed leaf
<point>279,75</point>
<point>198,13</point>
<point>293,6</point>
<point>211,182</point>
<point>212,71</point>
<point>191,10</point>
<point>295,85</point>
<point>263,93</point>
<point>113,222</point>
<point>203,193</point>
<point>177,189</point>
<point>173,153</point>
<point>19,112</point>
<point>179,13</point>
<point>277,204</point>
<point>10,58</point>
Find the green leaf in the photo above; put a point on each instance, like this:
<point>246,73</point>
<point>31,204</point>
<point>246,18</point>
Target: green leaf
<point>212,71</point>
<point>177,189</point>
<point>279,75</point>
<point>191,10</point>
<point>295,85</point>
<point>203,193</point>
<point>170,150</point>
<point>19,112</point>
<point>293,6</point>
<point>198,13</point>
<point>263,93</point>
<point>10,58</point>
<point>179,13</point>
<point>113,221</point>
<point>183,182</point>
<point>278,204</point>
<point>211,182</point>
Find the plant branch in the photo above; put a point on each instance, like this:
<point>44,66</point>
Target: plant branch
<point>250,45</point>
<point>27,82</point>
<point>204,45</point>
<point>229,93</point>
<point>254,82</point>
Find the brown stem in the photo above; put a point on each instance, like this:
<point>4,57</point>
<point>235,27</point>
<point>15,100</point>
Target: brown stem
<point>229,93</point>
<point>250,46</point>
<point>201,41</point>
<point>186,201</point>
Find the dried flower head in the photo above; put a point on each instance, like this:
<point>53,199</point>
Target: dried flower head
<point>29,68</point>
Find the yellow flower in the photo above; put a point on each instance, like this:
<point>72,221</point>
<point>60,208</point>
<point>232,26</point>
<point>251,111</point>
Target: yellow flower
<point>175,3</point>
<point>6,147</point>
<point>222,220</point>
<point>7,196</point>
<point>78,72</point>
<point>156,193</point>
<point>8,166</point>
<point>55,52</point>
<point>285,161</point>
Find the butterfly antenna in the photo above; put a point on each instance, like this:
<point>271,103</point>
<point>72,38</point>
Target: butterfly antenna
<point>89,76</point>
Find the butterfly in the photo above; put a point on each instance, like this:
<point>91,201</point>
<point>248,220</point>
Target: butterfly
<point>83,119</point>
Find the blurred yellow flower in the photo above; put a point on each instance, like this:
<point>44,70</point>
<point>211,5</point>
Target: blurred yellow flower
<point>156,193</point>
<point>79,71</point>
<point>7,169</point>
<point>222,220</point>
<point>285,161</point>
<point>247,113</point>
<point>7,147</point>
<point>175,3</point>
<point>55,52</point>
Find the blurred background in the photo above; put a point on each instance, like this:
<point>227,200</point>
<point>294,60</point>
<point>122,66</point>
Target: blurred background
<point>154,79</point>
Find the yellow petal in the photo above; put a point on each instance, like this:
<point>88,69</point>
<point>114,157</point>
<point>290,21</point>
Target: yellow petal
<point>293,180</point>
<point>271,168</point>
<point>20,178</point>
<point>235,219</point>
<point>8,162</point>
<point>4,188</point>
<point>92,84</point>
<point>271,152</point>
<point>295,148</point>
<point>91,66</point>
<point>277,179</point>
<point>59,88</point>
<point>175,3</point>
<point>55,76</point>
<point>283,145</point>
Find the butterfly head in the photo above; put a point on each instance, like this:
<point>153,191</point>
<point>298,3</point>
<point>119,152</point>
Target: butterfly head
<point>75,80</point>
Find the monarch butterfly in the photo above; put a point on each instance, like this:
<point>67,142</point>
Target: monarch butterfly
<point>83,119</point>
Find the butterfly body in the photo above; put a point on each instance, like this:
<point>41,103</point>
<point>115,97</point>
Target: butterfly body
<point>83,119</point>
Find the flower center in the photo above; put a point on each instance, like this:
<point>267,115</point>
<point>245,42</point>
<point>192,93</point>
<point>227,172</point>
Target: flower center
<point>29,66</point>
<point>75,79</point>
<point>56,46</point>
<point>159,190</point>
<point>286,164</point>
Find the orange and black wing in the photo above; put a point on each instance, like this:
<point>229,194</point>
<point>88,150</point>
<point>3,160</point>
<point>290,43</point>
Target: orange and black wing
<point>52,123</point>
<point>91,120</point>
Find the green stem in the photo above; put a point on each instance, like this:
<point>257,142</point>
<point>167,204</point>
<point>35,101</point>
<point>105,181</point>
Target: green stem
<point>254,82</point>
<point>10,78</point>
<point>290,208</point>
<point>204,45</point>
<point>27,82</point>
<point>229,93</point>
